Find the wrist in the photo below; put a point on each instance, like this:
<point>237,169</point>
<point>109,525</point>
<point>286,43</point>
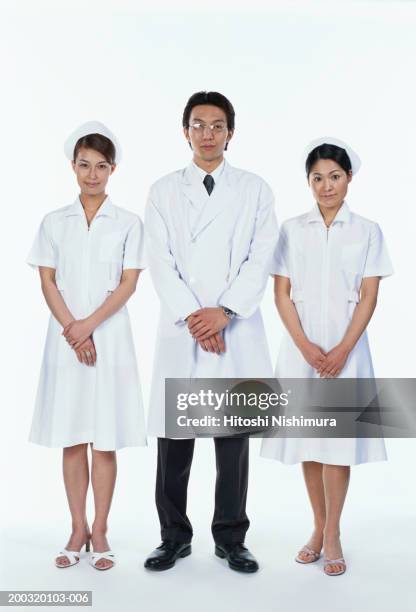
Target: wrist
<point>91,322</point>
<point>302,343</point>
<point>230,314</point>
<point>345,346</point>
<point>67,321</point>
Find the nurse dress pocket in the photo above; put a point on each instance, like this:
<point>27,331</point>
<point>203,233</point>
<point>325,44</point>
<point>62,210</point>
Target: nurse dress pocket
<point>111,253</point>
<point>353,299</point>
<point>60,285</point>
<point>353,256</point>
<point>298,298</point>
<point>112,246</point>
<point>352,262</point>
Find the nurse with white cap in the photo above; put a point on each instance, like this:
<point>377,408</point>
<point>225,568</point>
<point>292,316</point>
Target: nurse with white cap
<point>327,267</point>
<point>89,255</point>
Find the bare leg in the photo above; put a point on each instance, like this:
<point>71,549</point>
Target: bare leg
<point>76,479</point>
<point>103,478</point>
<point>336,479</point>
<point>312,472</point>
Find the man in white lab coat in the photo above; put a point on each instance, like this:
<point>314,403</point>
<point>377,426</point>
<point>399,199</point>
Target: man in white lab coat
<point>210,231</point>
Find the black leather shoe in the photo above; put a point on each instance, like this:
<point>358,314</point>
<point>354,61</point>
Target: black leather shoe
<point>164,556</point>
<point>238,556</point>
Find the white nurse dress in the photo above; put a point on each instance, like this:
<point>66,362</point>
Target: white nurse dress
<point>326,267</point>
<point>77,403</point>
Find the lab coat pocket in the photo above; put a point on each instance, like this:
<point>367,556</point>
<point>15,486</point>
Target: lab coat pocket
<point>112,247</point>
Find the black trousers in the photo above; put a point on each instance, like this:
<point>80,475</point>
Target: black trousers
<point>174,460</point>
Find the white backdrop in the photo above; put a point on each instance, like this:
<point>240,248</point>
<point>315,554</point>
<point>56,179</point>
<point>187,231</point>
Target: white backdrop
<point>294,71</point>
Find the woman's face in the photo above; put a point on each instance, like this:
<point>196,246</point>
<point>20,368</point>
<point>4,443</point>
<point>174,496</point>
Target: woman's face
<point>92,171</point>
<point>329,183</point>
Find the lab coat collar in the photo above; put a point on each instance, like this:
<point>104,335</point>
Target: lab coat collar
<point>106,209</point>
<point>191,173</point>
<point>215,173</point>
<point>213,205</point>
<point>342,216</point>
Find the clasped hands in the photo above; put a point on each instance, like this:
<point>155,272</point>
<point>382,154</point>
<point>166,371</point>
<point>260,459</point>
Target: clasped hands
<point>205,326</point>
<point>78,334</point>
<point>327,365</point>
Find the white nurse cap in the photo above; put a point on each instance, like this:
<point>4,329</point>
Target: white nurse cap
<point>354,158</point>
<point>90,127</point>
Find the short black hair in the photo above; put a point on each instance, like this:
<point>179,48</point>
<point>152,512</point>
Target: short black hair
<point>328,151</point>
<point>213,98</point>
<point>98,143</point>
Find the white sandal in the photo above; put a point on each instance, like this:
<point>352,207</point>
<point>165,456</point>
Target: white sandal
<point>108,555</point>
<point>312,553</point>
<point>72,555</point>
<point>340,561</point>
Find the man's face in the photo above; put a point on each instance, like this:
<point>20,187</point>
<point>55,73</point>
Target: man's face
<point>208,132</point>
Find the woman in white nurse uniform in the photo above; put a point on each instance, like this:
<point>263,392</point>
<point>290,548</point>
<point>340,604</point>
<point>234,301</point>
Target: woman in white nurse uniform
<point>327,267</point>
<point>89,256</point>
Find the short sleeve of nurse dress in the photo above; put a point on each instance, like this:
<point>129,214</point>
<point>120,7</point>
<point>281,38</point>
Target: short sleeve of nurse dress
<point>326,267</point>
<point>76,403</point>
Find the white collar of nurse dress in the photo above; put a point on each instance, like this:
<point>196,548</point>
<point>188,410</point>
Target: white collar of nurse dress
<point>343,215</point>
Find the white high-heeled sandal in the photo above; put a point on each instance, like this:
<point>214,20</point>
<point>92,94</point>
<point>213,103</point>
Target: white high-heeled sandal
<point>312,553</point>
<point>340,561</point>
<point>108,555</point>
<point>72,555</point>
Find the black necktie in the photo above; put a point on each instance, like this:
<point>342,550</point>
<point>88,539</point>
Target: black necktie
<point>209,183</point>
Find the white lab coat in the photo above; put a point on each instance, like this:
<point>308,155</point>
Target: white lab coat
<point>221,259</point>
<point>77,403</point>
<point>326,268</point>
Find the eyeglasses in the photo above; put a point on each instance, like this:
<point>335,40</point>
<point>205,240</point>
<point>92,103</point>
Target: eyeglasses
<point>216,128</point>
